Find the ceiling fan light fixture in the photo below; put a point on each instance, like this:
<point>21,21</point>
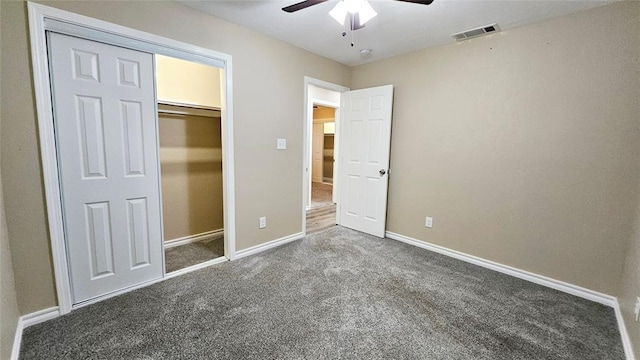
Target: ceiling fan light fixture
<point>361,7</point>
<point>339,12</point>
<point>365,10</point>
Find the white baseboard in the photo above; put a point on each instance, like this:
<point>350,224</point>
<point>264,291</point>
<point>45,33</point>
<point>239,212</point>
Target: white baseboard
<point>622,327</point>
<point>28,320</point>
<point>268,245</point>
<point>193,238</point>
<point>585,293</point>
<point>608,300</point>
<point>40,316</point>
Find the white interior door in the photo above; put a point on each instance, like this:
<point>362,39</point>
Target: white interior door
<point>105,124</point>
<point>365,131</point>
<point>317,148</point>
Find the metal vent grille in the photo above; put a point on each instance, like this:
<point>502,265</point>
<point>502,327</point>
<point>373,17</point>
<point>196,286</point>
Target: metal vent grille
<point>479,31</point>
<point>459,36</point>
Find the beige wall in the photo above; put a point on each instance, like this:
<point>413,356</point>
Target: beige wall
<point>203,82</point>
<point>630,288</point>
<point>9,311</point>
<point>522,145</point>
<point>630,285</point>
<point>21,168</point>
<point>262,114</point>
<point>191,168</point>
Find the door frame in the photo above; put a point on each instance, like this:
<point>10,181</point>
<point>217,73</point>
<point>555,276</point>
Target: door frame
<point>44,18</point>
<point>307,126</point>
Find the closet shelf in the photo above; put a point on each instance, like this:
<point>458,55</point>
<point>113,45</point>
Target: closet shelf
<point>170,108</point>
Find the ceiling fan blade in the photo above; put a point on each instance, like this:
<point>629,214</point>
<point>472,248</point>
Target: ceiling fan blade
<point>302,5</point>
<point>421,2</point>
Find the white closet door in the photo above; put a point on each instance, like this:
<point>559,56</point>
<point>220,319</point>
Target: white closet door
<point>365,135</point>
<point>105,125</point>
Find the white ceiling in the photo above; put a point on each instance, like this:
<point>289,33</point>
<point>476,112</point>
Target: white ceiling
<point>399,28</point>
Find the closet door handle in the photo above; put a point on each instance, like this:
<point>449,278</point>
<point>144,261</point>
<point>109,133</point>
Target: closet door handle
<point>382,172</point>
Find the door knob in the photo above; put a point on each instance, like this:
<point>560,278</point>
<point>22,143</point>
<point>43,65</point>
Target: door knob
<point>382,172</point>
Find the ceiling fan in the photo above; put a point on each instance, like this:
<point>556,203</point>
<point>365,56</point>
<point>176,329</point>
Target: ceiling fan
<point>357,11</point>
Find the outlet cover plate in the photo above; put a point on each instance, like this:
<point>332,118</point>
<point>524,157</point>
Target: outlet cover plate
<point>637,309</point>
<point>428,222</point>
<point>263,222</point>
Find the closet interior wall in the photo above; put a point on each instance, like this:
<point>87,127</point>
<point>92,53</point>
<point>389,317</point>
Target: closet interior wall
<point>191,171</point>
<point>190,138</point>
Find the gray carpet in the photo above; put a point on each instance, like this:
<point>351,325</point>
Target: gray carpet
<point>337,294</point>
<point>183,256</point>
<point>321,195</point>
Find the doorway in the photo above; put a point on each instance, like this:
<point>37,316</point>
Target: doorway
<point>362,147</point>
<point>322,208</point>
<point>322,122</point>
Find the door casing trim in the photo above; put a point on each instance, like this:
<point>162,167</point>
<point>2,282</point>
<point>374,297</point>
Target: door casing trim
<point>306,132</point>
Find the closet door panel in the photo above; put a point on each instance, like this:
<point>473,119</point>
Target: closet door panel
<point>105,122</point>
<point>132,126</point>
<point>137,214</point>
<point>91,134</point>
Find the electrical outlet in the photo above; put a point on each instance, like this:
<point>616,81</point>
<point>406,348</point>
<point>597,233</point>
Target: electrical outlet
<point>263,222</point>
<point>637,309</point>
<point>281,144</point>
<point>428,222</point>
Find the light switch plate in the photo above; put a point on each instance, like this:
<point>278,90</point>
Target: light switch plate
<point>282,144</point>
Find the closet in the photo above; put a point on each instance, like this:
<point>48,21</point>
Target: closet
<point>322,157</point>
<point>322,144</point>
<point>328,145</point>
<point>190,141</point>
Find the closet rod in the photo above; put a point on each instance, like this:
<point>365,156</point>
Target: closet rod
<point>165,107</point>
<point>191,106</point>
<point>183,113</point>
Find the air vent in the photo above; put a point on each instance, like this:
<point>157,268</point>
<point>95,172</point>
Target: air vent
<point>487,29</point>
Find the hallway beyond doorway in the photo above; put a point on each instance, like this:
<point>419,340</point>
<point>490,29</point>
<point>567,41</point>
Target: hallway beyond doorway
<point>321,195</point>
<point>322,211</point>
